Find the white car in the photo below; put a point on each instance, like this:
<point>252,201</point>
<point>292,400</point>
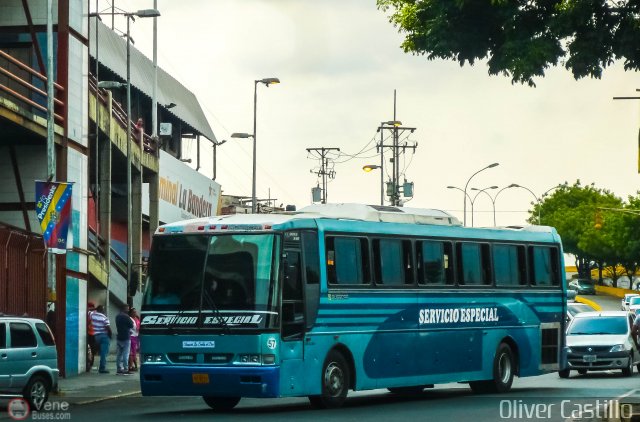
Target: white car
<point>624,303</point>
<point>599,341</point>
<point>634,304</point>
<point>574,308</point>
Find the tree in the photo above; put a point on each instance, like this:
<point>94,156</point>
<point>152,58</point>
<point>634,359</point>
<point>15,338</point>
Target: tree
<point>629,237</point>
<point>572,210</point>
<point>522,38</point>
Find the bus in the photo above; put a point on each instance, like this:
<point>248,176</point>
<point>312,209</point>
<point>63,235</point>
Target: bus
<point>343,297</point>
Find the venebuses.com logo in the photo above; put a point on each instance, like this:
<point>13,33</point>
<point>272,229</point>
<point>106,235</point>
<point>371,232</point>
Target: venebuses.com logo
<point>19,410</point>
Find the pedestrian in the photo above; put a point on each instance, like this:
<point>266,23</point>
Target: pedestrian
<point>135,342</point>
<point>92,349</point>
<point>124,324</point>
<point>102,336</point>
<point>139,128</point>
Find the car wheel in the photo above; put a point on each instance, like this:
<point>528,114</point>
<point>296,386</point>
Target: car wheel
<point>564,373</point>
<point>628,371</point>
<point>335,381</point>
<point>503,372</point>
<point>221,404</point>
<point>36,392</point>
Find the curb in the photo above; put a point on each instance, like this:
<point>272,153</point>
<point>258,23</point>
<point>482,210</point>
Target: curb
<point>99,399</point>
<point>591,303</point>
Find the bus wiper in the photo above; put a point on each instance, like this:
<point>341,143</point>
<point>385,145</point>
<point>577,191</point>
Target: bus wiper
<point>179,312</point>
<point>216,312</point>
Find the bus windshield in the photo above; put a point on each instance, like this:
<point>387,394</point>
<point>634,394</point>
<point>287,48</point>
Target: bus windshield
<point>214,275</point>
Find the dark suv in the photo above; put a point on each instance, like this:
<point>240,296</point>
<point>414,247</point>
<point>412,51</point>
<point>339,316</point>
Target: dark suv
<point>28,360</point>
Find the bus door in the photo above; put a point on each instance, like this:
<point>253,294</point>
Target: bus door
<point>293,317</point>
<point>300,299</point>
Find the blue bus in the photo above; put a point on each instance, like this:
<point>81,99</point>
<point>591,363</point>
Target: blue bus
<point>346,297</point>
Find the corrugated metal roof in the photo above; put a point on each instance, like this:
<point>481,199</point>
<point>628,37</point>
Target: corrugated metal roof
<point>113,54</point>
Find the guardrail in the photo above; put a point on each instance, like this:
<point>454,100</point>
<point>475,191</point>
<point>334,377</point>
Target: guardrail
<point>146,142</point>
<point>32,90</point>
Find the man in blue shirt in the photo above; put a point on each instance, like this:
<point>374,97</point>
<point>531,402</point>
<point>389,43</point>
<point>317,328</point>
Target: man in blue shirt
<point>124,324</point>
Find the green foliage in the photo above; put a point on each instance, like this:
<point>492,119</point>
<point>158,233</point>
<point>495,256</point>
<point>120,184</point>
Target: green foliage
<point>574,211</point>
<point>521,38</point>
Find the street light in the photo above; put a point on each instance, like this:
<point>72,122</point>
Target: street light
<point>144,13</point>
<point>534,195</point>
<point>476,196</point>
<point>466,195</point>
<point>467,184</point>
<point>494,199</point>
<point>368,169</point>
<point>267,82</point>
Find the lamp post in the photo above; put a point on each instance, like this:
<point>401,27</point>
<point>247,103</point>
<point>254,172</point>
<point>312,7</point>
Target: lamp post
<point>476,196</point>
<point>466,195</point>
<point>267,82</point>
<point>144,13</point>
<point>534,195</point>
<point>467,184</point>
<point>242,135</point>
<point>369,168</point>
<point>494,199</point>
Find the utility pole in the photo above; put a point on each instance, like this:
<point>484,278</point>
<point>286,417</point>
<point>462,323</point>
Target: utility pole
<point>397,130</point>
<point>393,190</point>
<point>324,172</point>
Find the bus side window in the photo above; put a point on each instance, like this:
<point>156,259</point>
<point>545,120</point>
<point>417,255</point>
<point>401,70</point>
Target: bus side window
<point>434,262</point>
<point>393,261</point>
<point>544,266</point>
<point>347,260</point>
<point>509,265</point>
<point>474,264</point>
<point>292,304</point>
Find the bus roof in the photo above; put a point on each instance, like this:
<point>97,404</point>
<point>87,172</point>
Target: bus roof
<point>334,212</point>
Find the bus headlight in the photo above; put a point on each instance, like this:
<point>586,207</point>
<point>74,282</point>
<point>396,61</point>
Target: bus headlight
<point>152,358</point>
<point>617,348</point>
<point>250,359</point>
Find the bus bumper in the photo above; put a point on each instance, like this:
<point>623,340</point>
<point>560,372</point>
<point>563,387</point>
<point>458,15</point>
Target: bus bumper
<point>166,380</point>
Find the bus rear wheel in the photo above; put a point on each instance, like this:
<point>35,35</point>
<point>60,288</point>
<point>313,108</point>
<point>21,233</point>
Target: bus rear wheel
<point>335,382</point>
<point>222,404</point>
<point>503,372</point>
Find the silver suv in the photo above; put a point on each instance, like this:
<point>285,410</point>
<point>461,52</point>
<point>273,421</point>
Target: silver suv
<point>28,360</point>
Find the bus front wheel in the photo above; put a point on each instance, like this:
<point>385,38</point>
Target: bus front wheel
<point>222,404</point>
<point>503,372</point>
<point>335,382</point>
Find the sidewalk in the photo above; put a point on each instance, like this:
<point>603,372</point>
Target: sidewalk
<point>91,387</point>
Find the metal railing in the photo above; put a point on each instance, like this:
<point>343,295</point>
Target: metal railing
<point>32,89</point>
<point>146,142</point>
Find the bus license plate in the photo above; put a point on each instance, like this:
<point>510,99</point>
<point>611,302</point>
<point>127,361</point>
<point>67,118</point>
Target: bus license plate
<point>589,358</point>
<point>200,378</point>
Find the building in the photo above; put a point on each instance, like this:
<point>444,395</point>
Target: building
<point>93,147</point>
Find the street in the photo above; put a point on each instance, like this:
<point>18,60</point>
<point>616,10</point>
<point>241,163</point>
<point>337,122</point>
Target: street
<point>585,397</point>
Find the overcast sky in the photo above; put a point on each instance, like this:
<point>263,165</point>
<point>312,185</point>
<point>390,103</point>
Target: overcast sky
<point>339,62</point>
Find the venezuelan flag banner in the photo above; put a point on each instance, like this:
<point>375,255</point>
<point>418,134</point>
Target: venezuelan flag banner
<point>53,208</point>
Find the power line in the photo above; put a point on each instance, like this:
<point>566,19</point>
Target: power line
<point>324,171</point>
